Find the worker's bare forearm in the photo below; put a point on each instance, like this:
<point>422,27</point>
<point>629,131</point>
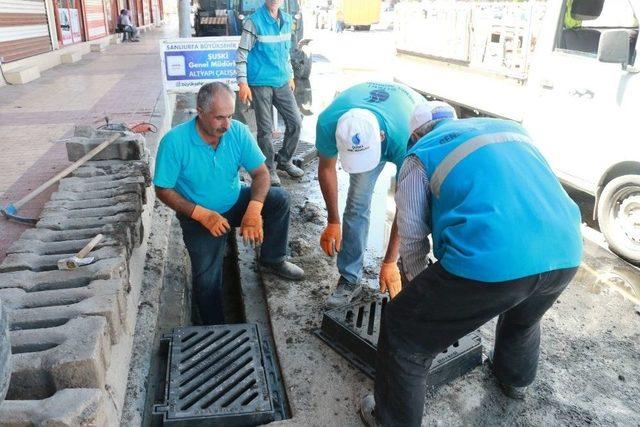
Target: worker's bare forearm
<point>393,248</point>
<point>328,179</point>
<point>175,201</point>
<point>260,183</point>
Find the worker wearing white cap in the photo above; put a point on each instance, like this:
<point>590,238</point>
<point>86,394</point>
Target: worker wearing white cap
<point>366,126</point>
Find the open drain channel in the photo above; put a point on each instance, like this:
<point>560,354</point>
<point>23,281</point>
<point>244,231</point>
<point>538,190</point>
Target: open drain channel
<point>305,152</point>
<point>220,375</point>
<point>353,331</point>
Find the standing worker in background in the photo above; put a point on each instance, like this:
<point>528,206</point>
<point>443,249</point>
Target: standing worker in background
<point>196,175</point>
<point>508,242</point>
<point>265,77</point>
<point>366,126</point>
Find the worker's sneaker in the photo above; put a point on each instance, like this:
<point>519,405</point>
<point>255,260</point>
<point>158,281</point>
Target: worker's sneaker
<point>275,179</point>
<point>293,170</point>
<point>518,393</point>
<point>285,269</point>
<point>367,410</point>
<point>344,294</point>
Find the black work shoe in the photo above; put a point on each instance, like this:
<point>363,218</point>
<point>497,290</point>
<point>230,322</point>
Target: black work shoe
<point>518,393</point>
<point>293,170</point>
<point>285,269</point>
<point>345,293</point>
<point>367,408</point>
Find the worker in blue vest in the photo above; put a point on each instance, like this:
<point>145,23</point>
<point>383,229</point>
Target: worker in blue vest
<point>265,77</point>
<point>507,241</point>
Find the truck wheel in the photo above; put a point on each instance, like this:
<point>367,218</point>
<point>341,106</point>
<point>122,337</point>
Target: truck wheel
<point>301,64</point>
<point>619,216</point>
<point>5,354</point>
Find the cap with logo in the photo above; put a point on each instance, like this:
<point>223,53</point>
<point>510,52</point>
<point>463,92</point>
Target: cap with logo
<point>358,140</point>
<point>430,111</point>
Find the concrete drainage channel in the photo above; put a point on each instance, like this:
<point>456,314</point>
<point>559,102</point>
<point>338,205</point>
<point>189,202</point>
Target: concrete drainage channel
<point>70,331</point>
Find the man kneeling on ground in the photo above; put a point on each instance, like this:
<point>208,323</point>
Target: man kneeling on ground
<point>196,175</point>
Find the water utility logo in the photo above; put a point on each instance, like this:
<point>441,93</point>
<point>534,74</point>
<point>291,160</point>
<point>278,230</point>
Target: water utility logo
<point>377,96</point>
<point>356,139</point>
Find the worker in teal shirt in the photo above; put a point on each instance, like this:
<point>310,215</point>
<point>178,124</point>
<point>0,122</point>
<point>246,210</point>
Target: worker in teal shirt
<point>507,241</point>
<point>196,175</point>
<point>366,126</point>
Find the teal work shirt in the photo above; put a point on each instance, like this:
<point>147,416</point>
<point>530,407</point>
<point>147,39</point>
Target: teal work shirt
<point>392,103</point>
<point>201,174</point>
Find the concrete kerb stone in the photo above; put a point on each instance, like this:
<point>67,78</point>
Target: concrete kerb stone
<point>134,206</point>
<point>32,281</point>
<point>129,146</point>
<point>72,355</point>
<point>129,223</point>
<point>113,167</point>
<point>86,184</point>
<point>36,262</point>
<point>66,408</point>
<point>93,203</point>
<point>106,298</point>
<point>79,194</point>
<point>57,248</point>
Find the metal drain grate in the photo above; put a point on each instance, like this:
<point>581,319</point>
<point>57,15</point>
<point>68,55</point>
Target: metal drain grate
<point>305,152</point>
<point>353,332</point>
<point>219,375</point>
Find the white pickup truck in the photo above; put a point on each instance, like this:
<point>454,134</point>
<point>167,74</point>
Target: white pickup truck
<point>567,69</point>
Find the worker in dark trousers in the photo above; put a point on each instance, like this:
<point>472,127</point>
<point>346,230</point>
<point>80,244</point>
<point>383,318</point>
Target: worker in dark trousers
<point>196,175</point>
<point>265,76</point>
<point>507,241</point>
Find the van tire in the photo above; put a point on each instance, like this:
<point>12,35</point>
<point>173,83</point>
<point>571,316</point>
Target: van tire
<point>618,213</point>
<point>5,354</point>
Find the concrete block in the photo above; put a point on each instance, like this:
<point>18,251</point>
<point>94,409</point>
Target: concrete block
<point>70,57</point>
<point>34,281</point>
<point>115,40</point>
<point>79,194</point>
<point>98,47</point>
<point>35,262</point>
<point>66,408</point>
<point>91,212</point>
<point>72,355</point>
<point>22,75</point>
<point>105,298</point>
<point>110,167</point>
<point>131,221</point>
<point>128,147</point>
<point>93,203</point>
<point>87,184</point>
<point>40,247</point>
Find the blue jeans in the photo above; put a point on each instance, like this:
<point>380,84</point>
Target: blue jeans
<point>355,223</point>
<point>264,97</point>
<point>207,251</point>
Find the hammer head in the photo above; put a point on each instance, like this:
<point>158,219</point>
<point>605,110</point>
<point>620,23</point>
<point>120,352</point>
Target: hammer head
<point>73,262</point>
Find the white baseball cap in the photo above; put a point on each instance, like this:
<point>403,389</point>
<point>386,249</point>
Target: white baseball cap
<point>429,111</point>
<point>358,140</point>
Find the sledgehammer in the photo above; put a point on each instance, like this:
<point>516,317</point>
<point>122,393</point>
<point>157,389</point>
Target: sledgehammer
<point>80,259</point>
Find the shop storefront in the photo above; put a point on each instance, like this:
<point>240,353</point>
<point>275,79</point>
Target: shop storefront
<point>69,21</point>
<point>24,30</point>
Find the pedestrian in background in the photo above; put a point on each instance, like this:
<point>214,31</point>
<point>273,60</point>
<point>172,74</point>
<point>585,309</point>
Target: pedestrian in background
<point>507,241</point>
<point>366,126</point>
<point>126,25</point>
<point>196,175</point>
<point>265,77</point>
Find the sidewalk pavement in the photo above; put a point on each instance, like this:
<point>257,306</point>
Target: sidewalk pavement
<point>123,83</point>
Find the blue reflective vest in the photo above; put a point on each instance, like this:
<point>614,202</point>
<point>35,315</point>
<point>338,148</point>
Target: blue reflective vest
<point>268,61</point>
<point>498,212</point>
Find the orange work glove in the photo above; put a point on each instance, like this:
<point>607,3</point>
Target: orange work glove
<point>292,85</point>
<point>244,93</point>
<point>212,221</point>
<point>251,225</point>
<point>390,279</point>
<point>331,239</point>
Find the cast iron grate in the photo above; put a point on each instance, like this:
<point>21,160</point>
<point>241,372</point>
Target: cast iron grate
<point>353,331</point>
<point>305,152</point>
<point>220,375</point>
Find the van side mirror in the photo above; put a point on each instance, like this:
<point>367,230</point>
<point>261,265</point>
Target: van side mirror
<point>614,47</point>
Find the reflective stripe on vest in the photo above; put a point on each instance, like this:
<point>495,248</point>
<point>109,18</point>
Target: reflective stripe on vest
<point>275,38</point>
<point>463,150</point>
